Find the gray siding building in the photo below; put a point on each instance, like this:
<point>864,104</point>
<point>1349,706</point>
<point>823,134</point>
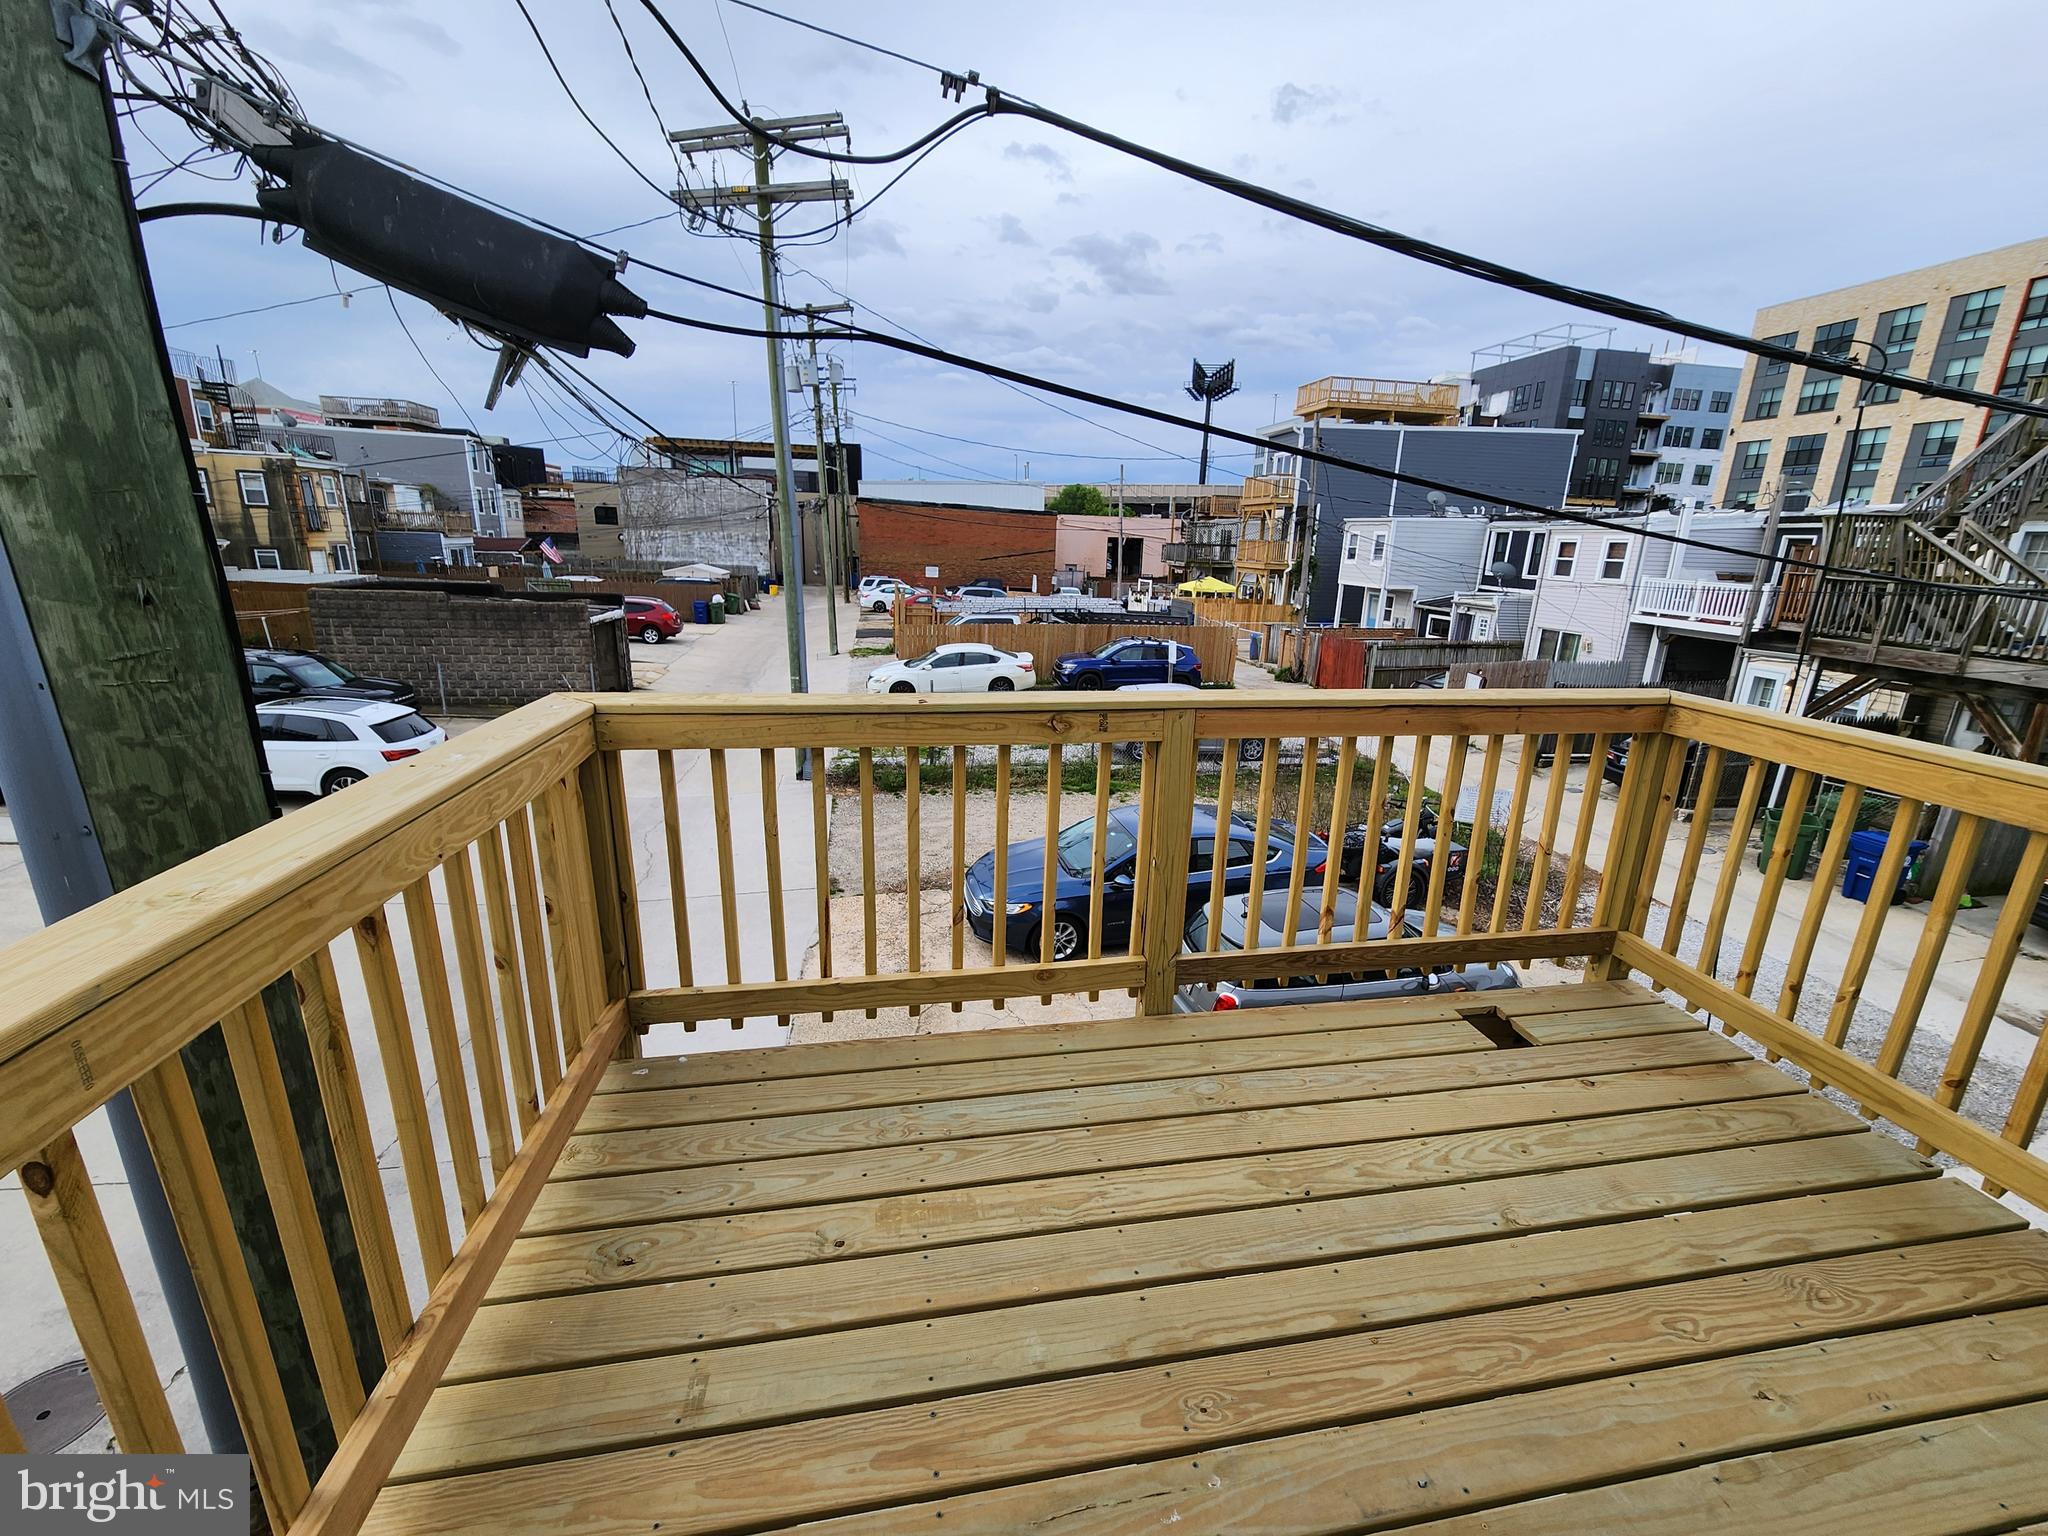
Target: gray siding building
<point>1533,467</point>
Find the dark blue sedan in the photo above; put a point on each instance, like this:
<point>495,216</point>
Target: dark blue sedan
<point>1129,661</point>
<point>1025,879</point>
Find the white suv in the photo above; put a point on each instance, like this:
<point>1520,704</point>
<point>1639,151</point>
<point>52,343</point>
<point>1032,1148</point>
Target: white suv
<point>317,746</point>
<point>878,593</point>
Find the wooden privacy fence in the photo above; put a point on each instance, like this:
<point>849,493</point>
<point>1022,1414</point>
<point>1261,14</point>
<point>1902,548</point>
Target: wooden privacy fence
<point>1238,610</point>
<point>270,613</point>
<point>1377,658</point>
<point>918,630</point>
<point>482,899</point>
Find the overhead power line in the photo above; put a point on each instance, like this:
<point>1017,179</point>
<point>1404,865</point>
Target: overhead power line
<point>570,91</point>
<point>1498,273</point>
<point>1312,455</point>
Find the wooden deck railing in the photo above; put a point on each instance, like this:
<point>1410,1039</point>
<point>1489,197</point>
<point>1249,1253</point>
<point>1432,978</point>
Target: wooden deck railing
<point>506,897</point>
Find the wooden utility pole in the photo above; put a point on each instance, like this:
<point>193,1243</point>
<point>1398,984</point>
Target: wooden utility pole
<point>762,137</point>
<point>120,601</point>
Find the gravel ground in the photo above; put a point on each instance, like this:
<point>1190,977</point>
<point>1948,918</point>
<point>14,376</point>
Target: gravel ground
<point>1992,1085</point>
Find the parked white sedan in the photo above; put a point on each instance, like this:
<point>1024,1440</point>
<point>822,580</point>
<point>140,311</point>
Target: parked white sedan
<point>956,669</point>
<point>317,746</point>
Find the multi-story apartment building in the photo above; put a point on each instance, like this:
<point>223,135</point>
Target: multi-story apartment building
<point>1652,426</point>
<point>1292,511</point>
<point>1980,322</point>
<point>277,511</point>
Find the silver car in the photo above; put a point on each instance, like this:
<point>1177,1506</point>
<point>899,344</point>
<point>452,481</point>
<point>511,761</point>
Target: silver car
<point>1339,986</point>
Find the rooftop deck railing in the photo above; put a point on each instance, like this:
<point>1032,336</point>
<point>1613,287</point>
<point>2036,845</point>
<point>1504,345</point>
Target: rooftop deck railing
<point>506,860</point>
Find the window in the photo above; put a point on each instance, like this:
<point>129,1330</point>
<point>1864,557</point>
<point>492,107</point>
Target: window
<point>1938,445</point>
<point>1520,400</point>
<point>1703,474</point>
<point>1721,402</point>
<point>1710,439</point>
<point>1877,394</point>
<point>1818,395</point>
<point>330,491</point>
<point>266,560</point>
<point>1833,340</point>
<point>2036,311</point>
<point>1379,548</point>
<point>1580,389</point>
<point>1750,458</point>
<point>1536,394</point>
<point>1669,471</point>
<point>1350,546</point>
<point>1602,472</point>
<point>605,515</point>
<point>344,557</point>
<point>1773,365</point>
<point>1678,437</point>
<point>1609,431</point>
<point>1980,309</point>
<point>1685,399</point>
<point>1615,392</point>
<point>1615,560</point>
<point>202,410</point>
<point>1961,372</point>
<point>1867,451</point>
<point>1558,645</point>
<point>1802,454</point>
<point>2024,363</point>
<point>1898,330</point>
<point>205,484</point>
<point>314,520</point>
<point>1567,556</point>
<point>1763,692</point>
<point>254,492</point>
<point>1766,403</point>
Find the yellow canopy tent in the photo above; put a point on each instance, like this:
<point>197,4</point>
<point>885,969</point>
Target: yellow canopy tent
<point>1205,586</point>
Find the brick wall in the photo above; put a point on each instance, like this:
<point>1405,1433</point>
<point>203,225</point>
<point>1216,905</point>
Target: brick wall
<point>490,650</point>
<point>965,543</point>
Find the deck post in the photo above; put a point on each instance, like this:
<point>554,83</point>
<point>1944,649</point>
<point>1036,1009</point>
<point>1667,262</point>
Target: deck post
<point>1165,909</point>
<point>1635,819</point>
<point>610,838</point>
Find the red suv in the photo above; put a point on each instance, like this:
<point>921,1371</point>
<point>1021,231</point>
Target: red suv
<point>652,620</point>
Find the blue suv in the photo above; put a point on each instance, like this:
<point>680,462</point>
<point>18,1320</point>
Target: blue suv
<point>1074,850</point>
<point>1129,661</point>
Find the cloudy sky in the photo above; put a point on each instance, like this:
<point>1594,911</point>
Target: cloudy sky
<point>1706,159</point>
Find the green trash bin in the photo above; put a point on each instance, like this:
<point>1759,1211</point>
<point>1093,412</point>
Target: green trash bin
<point>1804,836</point>
<point>717,609</point>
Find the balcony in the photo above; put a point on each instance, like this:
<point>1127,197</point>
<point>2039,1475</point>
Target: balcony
<point>374,410</point>
<point>1266,493</point>
<point>1264,554</point>
<point>1709,607</point>
<point>1391,400</point>
<point>1556,1257</point>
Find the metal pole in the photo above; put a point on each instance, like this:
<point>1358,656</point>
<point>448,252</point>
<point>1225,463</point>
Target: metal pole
<point>792,533</point>
<point>1119,532</point>
<point>843,543</point>
<point>829,575</point>
<point>1208,406</point>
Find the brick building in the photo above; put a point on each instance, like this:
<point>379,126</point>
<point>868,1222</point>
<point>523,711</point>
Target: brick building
<point>944,546</point>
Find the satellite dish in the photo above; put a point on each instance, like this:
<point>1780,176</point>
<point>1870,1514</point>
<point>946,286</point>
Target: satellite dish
<point>1437,502</point>
<point>1504,571</point>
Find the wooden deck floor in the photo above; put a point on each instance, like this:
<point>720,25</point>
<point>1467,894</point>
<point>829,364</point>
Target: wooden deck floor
<point>1348,1268</point>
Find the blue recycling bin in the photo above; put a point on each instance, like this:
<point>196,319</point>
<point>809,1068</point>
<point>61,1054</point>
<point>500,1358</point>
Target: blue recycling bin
<point>1859,866</point>
<point>700,612</point>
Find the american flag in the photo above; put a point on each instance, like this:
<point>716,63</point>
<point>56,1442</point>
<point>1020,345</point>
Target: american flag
<point>549,553</point>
